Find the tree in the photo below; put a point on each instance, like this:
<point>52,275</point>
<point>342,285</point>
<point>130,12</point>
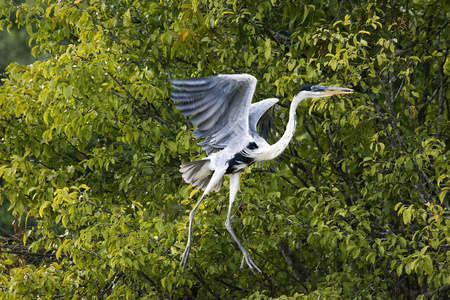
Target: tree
<point>357,207</point>
<point>14,48</point>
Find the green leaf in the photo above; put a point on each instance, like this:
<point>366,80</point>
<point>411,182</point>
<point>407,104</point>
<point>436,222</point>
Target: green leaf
<point>407,214</point>
<point>67,92</point>
<point>160,227</point>
<point>291,65</point>
<point>399,270</point>
<point>442,195</point>
<point>268,49</point>
<point>157,156</point>
<point>333,64</point>
<point>172,146</point>
<point>409,164</point>
<point>410,266</point>
<point>43,207</point>
<point>428,264</point>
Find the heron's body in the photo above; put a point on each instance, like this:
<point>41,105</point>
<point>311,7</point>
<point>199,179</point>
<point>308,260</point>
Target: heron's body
<point>221,108</point>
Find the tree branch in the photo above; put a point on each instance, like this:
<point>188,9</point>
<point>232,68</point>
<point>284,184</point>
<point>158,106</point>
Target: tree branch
<point>442,289</point>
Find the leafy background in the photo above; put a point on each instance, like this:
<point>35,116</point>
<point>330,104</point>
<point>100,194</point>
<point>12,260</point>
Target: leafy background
<point>90,145</point>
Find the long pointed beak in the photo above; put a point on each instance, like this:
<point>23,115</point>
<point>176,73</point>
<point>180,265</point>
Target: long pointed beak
<point>332,90</point>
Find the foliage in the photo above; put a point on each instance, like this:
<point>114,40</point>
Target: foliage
<point>14,47</point>
<point>357,207</point>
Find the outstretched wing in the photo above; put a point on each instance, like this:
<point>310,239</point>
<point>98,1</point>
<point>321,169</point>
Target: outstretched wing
<point>218,105</point>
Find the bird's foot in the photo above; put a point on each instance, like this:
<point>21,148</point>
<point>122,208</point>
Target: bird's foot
<point>247,259</point>
<point>184,257</point>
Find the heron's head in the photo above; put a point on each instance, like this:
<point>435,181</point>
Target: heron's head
<point>318,91</point>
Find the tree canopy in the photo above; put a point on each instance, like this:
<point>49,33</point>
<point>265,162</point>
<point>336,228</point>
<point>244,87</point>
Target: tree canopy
<point>90,146</point>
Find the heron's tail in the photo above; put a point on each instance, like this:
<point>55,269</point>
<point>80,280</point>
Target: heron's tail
<point>198,173</point>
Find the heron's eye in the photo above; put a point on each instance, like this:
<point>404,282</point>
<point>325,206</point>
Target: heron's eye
<point>313,88</point>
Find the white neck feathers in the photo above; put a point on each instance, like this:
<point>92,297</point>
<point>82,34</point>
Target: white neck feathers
<point>276,149</point>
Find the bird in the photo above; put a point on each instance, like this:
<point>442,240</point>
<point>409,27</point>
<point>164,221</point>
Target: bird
<point>226,119</point>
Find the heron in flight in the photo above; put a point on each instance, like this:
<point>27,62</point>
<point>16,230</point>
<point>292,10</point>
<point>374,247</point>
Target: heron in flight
<point>221,107</point>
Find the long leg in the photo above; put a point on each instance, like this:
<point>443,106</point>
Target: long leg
<point>185,255</point>
<point>218,174</point>
<point>234,187</point>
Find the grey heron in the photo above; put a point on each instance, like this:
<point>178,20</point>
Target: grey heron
<point>221,107</point>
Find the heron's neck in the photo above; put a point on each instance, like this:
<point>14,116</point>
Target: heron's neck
<point>278,148</point>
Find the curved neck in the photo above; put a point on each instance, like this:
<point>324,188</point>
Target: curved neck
<point>278,148</point>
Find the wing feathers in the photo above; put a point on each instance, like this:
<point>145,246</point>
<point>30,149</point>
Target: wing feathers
<point>192,84</point>
<point>194,108</point>
<point>208,117</point>
<point>198,173</point>
<point>218,105</point>
<point>257,110</point>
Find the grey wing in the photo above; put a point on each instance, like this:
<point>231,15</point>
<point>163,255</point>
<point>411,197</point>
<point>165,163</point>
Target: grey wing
<point>256,111</point>
<point>218,105</point>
